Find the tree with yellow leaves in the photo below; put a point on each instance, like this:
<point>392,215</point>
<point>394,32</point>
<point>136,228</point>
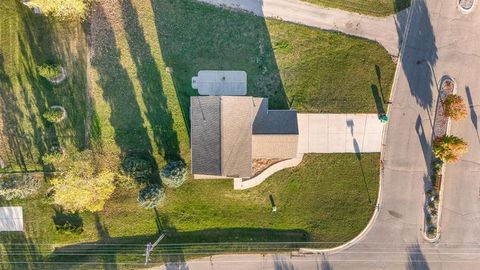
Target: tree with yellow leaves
<point>82,187</point>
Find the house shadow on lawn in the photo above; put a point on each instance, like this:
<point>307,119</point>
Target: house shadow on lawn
<point>195,36</point>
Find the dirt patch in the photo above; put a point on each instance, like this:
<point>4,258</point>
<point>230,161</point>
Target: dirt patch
<point>261,164</point>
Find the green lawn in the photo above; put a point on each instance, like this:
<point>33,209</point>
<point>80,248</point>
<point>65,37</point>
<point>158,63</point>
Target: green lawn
<point>138,108</point>
<point>25,42</point>
<point>368,7</point>
<point>328,197</point>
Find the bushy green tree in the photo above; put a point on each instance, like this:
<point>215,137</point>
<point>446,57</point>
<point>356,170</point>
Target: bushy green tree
<point>174,174</point>
<point>18,186</point>
<point>151,195</point>
<point>49,71</point>
<point>64,10</point>
<point>449,148</point>
<point>54,114</point>
<point>137,168</point>
<point>55,156</point>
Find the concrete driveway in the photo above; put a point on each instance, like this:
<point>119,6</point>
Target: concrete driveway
<point>339,133</point>
<point>384,30</point>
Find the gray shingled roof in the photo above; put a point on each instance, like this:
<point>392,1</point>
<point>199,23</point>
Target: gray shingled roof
<point>221,134</point>
<point>274,121</point>
<point>205,135</point>
<point>222,128</point>
<point>236,126</point>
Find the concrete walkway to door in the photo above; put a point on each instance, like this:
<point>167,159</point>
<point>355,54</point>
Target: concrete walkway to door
<point>339,133</point>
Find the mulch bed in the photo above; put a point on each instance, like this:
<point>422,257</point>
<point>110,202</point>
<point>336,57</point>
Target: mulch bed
<point>441,120</point>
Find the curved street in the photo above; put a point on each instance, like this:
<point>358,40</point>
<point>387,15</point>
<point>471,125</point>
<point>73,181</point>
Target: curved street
<point>440,41</point>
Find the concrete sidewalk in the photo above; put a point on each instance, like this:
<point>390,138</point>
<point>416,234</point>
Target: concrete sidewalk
<point>384,30</point>
<point>339,133</point>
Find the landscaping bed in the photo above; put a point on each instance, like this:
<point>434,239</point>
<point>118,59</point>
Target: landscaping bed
<point>434,187</point>
<point>466,5</point>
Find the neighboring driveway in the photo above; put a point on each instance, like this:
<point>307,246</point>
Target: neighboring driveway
<point>339,133</point>
<point>383,30</point>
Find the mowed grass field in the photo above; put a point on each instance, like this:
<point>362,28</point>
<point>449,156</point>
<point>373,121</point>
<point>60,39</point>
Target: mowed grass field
<point>369,7</point>
<point>27,41</point>
<point>327,198</point>
<point>143,55</point>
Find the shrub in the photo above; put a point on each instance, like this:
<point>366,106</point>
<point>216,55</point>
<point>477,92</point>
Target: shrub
<point>54,114</point>
<point>67,223</point>
<point>137,168</point>
<point>174,174</point>
<point>78,192</point>
<point>432,231</point>
<point>151,196</point>
<point>449,148</point>
<point>56,155</point>
<point>64,10</point>
<point>49,72</point>
<point>125,181</point>
<point>18,186</point>
<point>455,107</point>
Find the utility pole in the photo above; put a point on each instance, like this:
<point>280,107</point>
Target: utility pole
<point>150,247</point>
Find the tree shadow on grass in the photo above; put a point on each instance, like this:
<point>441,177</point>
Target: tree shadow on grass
<point>195,36</point>
<point>173,250</point>
<point>158,113</point>
<point>36,40</point>
<point>19,252</point>
<point>130,133</point>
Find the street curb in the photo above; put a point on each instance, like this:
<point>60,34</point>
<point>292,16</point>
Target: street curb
<point>385,131</point>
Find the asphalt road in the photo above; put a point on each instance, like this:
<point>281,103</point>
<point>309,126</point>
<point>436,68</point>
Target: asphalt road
<point>441,41</point>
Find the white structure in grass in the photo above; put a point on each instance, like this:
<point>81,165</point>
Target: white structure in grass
<point>11,219</point>
<point>220,83</point>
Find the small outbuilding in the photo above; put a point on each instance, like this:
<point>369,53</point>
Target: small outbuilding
<point>220,83</point>
<point>11,219</point>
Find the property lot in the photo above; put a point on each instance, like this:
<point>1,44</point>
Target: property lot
<point>143,55</point>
